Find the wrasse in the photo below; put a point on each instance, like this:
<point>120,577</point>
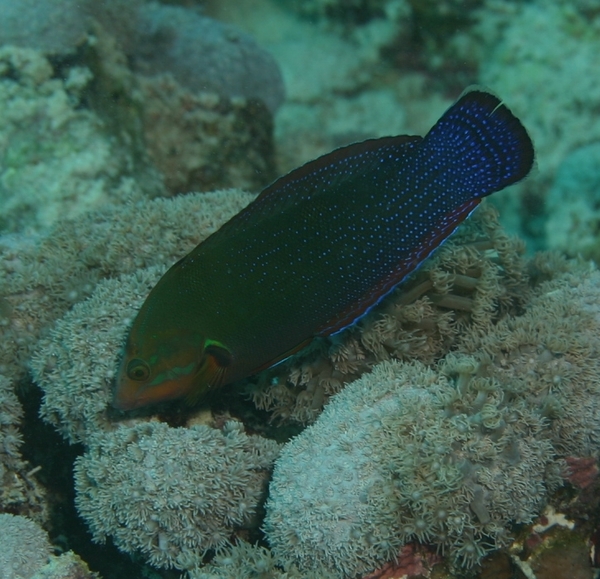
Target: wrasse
<point>315,251</point>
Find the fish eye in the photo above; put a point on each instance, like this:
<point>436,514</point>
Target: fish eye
<point>138,370</point>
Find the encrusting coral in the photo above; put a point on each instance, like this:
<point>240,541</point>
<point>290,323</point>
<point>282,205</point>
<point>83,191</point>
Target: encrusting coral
<point>478,276</point>
<point>452,454</point>
<point>172,493</point>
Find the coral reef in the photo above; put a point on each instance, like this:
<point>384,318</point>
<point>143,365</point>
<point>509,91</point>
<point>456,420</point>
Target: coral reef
<point>202,54</point>
<point>57,159</point>
<point>124,100</point>
<point>78,358</point>
<point>451,455</point>
<point>24,547</point>
<point>172,493</point>
<point>478,276</point>
<point>573,205</point>
<point>204,142</point>
<point>78,127</point>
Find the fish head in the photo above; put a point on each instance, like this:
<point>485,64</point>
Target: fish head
<point>164,367</point>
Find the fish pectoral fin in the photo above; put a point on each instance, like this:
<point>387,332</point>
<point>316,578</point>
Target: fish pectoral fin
<point>212,369</point>
<point>223,357</point>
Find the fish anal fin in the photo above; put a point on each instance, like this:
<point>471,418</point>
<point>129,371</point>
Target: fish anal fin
<point>403,269</point>
<point>283,356</point>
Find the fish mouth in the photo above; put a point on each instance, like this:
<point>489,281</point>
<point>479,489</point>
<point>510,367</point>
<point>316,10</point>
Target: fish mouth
<point>124,401</point>
<point>130,395</point>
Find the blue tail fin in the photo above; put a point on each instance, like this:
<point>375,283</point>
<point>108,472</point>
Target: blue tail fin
<point>482,140</point>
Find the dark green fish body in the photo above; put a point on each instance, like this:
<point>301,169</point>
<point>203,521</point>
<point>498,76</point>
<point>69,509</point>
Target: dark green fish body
<point>316,250</point>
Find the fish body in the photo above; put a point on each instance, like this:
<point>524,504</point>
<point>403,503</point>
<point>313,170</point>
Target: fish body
<point>316,250</point>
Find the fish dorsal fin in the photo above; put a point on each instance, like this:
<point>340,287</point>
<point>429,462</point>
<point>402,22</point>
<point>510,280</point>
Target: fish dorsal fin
<point>307,180</point>
<point>330,163</point>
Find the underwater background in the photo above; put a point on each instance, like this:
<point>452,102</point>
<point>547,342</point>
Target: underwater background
<point>454,431</point>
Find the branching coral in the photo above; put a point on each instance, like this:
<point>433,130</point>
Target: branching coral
<point>474,279</point>
<point>172,493</point>
<point>452,455</point>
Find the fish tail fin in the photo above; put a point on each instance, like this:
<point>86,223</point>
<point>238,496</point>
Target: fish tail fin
<point>484,141</point>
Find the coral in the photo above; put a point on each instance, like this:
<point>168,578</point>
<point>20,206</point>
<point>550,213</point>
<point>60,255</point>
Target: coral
<point>205,55</point>
<point>390,461</point>
<point>20,492</point>
<point>57,160</point>
<point>66,566</point>
<point>172,493</point>
<point>206,141</point>
<point>41,281</point>
<point>536,51</point>
<point>573,205</point>
<point>533,75</point>
<point>549,356</point>
<point>245,561</point>
<point>26,553</point>
<point>476,277</point>
<point>24,547</point>
<point>451,455</point>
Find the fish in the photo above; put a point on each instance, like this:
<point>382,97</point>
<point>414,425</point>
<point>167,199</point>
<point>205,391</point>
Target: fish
<point>315,251</point>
